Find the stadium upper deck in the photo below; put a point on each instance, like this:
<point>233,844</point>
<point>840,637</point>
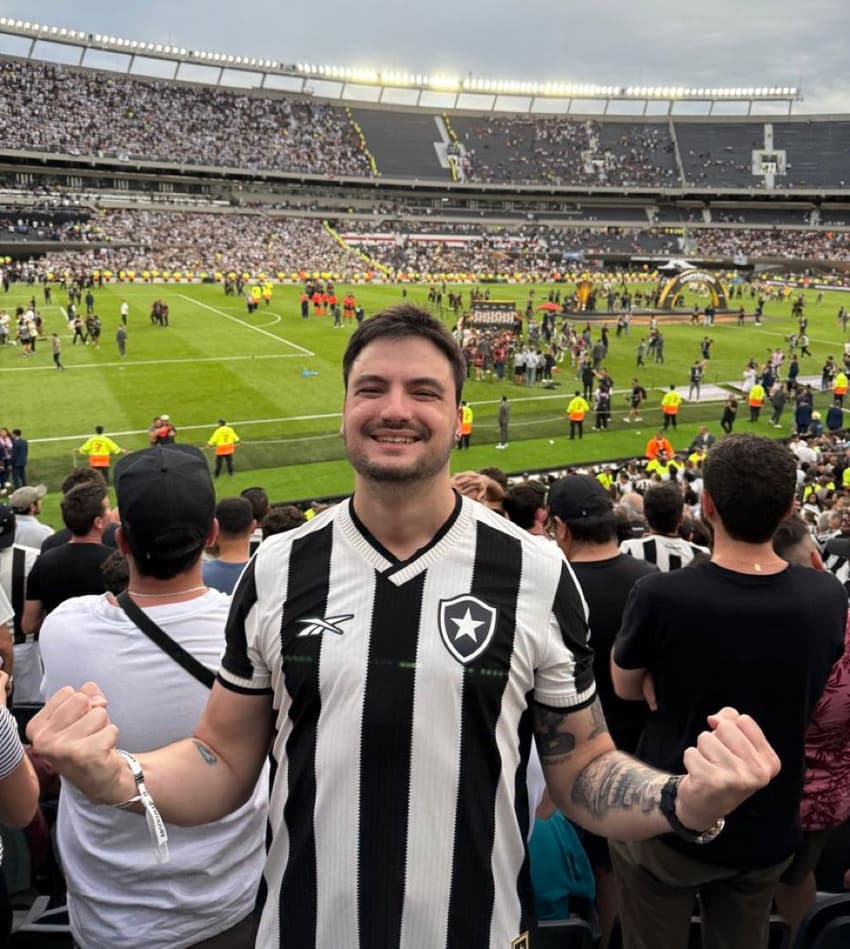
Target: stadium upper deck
<point>113,115</point>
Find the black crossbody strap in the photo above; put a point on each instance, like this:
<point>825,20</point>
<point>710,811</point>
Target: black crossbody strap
<point>165,642</point>
<point>18,578</point>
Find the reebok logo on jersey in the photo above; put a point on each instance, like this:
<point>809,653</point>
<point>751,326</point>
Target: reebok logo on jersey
<point>467,625</point>
<point>316,625</point>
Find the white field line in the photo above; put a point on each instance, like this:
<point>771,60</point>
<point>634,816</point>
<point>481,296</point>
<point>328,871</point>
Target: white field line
<point>274,322</point>
<point>188,428</point>
<point>125,363</point>
<point>812,339</point>
<point>283,420</point>
<point>256,329</point>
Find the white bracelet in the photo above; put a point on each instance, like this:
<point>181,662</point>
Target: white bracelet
<point>156,825</point>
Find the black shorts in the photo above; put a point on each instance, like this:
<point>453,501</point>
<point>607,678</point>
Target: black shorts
<point>596,848</point>
<point>807,855</point>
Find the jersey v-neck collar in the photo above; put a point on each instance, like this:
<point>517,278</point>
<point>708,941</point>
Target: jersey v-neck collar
<point>384,561</point>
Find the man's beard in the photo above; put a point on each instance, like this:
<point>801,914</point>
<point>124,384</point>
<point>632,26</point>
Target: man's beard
<point>423,468</point>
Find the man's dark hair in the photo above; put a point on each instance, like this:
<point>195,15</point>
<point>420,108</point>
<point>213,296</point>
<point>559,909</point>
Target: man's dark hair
<point>496,474</point>
<point>751,480</point>
<point>235,516</point>
<point>81,505</point>
<point>282,518</point>
<point>16,432</point>
<point>258,500</point>
<point>662,507</point>
<point>788,535</point>
<point>82,476</point>
<point>522,502</point>
<point>406,321</point>
<point>98,429</point>
<point>115,572</point>
<point>598,529</point>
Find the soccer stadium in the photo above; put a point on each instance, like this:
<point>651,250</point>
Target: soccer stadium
<point>189,242</point>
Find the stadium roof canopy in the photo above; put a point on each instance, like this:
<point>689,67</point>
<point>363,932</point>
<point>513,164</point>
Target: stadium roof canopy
<point>41,42</point>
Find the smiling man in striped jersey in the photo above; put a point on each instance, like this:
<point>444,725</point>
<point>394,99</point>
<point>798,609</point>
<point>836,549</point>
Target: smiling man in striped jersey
<point>397,654</point>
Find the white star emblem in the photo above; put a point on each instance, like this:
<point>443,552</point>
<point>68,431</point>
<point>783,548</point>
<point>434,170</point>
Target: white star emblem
<point>467,626</point>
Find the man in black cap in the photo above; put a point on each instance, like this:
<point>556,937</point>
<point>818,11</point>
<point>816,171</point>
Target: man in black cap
<point>166,502</point>
<point>585,527</point>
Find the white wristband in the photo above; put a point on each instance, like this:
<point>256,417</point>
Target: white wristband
<point>156,825</point>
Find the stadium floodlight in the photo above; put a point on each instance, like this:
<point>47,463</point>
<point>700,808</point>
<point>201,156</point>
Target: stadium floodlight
<point>446,83</point>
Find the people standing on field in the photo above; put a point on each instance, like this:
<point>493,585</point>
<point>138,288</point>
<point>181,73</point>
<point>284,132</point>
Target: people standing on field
<point>224,440</point>
<point>99,450</point>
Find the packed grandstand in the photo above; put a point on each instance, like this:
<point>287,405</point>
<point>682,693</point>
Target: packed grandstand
<point>265,181</point>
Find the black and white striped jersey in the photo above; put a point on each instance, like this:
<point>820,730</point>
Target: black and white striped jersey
<point>667,553</point>
<point>401,692</point>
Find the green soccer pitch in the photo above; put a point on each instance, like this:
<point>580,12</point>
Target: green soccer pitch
<point>217,361</point>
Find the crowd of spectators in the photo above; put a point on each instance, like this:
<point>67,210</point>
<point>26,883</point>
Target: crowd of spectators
<point>54,108</point>
<point>752,243</point>
<point>176,241</point>
<point>268,130</point>
<point>558,151</point>
<point>220,241</point>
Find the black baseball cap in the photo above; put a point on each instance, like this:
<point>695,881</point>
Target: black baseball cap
<point>7,526</point>
<point>576,497</point>
<point>161,490</point>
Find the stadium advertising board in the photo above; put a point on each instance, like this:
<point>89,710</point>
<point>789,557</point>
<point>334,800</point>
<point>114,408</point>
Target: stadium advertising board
<point>492,315</point>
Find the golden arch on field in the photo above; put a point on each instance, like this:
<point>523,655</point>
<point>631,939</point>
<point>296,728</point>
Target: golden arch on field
<point>675,286</point>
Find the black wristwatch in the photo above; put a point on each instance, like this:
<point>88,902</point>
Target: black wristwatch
<point>669,793</point>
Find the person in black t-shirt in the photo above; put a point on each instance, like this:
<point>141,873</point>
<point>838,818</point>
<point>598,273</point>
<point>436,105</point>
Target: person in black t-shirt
<point>585,528</point>
<point>83,475</point>
<point>72,569</point>
<point>746,631</point>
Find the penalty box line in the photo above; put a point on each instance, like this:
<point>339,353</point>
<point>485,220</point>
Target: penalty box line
<point>256,329</point>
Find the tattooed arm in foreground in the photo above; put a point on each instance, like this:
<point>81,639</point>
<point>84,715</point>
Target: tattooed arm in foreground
<point>616,796</point>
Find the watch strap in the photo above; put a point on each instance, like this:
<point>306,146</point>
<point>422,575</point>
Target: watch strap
<point>667,806</point>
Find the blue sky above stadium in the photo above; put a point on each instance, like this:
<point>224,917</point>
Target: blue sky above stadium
<point>652,42</point>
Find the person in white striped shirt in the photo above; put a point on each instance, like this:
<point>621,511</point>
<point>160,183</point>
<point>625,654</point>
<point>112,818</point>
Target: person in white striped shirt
<point>396,654</point>
<point>18,790</point>
<point>663,508</point>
